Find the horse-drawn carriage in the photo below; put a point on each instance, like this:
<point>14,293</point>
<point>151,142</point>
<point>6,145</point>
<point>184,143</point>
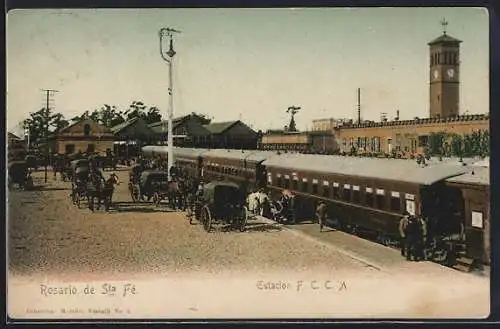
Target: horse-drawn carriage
<point>154,184</point>
<point>221,203</point>
<point>19,173</point>
<point>101,192</point>
<point>79,174</point>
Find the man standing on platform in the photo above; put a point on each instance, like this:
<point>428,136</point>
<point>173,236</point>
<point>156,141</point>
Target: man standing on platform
<point>321,215</point>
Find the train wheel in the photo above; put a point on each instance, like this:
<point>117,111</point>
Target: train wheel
<point>206,219</point>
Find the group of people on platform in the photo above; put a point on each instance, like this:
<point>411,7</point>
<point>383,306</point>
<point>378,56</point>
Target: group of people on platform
<point>412,231</point>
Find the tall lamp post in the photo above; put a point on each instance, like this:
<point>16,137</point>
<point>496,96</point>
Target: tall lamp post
<point>169,32</point>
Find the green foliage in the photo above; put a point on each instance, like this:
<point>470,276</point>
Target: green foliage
<point>468,145</point>
<point>457,145</point>
<point>43,122</point>
<point>436,143</point>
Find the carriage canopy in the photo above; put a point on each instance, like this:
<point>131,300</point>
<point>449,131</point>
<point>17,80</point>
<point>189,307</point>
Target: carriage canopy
<point>223,192</point>
<point>79,163</point>
<point>149,176</point>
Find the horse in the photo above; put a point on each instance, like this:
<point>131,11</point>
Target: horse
<point>175,195</point>
<point>102,191</point>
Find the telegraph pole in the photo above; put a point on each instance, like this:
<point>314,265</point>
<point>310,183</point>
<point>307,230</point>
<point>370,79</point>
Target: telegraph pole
<point>359,105</point>
<point>46,130</point>
<point>169,32</point>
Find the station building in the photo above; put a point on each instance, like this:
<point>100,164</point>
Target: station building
<point>409,137</point>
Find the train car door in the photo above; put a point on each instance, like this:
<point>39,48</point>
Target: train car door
<point>474,232</point>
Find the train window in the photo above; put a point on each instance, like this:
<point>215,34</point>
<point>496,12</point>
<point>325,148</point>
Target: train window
<point>336,190</point>
<point>380,197</point>
<point>305,186</point>
<point>395,201</point>
<point>356,195</point>
<point>295,185</point>
<point>346,192</point>
<point>369,199</point>
<point>326,189</point>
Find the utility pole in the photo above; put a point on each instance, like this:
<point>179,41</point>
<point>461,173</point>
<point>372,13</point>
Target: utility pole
<point>169,32</point>
<point>46,130</point>
<point>359,105</point>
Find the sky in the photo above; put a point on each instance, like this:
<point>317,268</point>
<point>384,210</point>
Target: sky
<point>248,64</point>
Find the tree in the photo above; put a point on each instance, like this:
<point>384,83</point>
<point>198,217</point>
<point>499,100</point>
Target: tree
<point>203,118</point>
<point>457,145</point>
<point>138,110</point>
<point>435,143</point>
<point>43,122</point>
<point>485,144</point>
<point>153,115</point>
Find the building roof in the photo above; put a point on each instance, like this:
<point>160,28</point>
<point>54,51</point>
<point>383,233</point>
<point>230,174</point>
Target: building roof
<point>475,175</point>
<point>387,169</point>
<point>220,127</point>
<point>77,123</point>
<point>444,38</point>
<point>12,136</point>
<point>417,121</point>
<point>123,125</point>
<point>193,127</point>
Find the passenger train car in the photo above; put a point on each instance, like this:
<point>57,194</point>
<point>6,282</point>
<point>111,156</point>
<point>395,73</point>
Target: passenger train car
<point>362,194</point>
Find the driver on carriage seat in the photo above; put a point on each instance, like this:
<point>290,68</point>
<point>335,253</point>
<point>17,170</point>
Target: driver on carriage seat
<point>96,175</point>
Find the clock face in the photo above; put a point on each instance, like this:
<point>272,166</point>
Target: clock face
<point>451,73</point>
<point>436,74</point>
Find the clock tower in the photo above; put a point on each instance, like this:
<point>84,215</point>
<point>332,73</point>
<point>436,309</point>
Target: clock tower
<point>444,83</point>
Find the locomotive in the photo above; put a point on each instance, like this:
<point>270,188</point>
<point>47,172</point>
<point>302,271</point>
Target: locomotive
<point>363,195</point>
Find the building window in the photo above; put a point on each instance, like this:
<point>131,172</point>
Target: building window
<point>287,183</point>
<point>315,188</point>
<point>70,148</point>
<point>305,187</point>
<point>279,181</point>
<point>295,185</point>
<point>86,130</point>
<point>90,148</point>
<point>422,140</point>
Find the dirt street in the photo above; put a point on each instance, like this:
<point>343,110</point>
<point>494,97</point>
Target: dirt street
<point>50,235</point>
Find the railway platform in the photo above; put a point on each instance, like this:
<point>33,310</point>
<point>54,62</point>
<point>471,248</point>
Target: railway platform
<point>372,254</point>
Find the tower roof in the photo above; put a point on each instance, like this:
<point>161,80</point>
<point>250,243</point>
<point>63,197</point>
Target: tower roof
<point>445,39</point>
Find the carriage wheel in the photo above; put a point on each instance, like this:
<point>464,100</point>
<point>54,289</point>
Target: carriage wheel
<point>133,192</point>
<point>107,203</point>
<point>243,219</point>
<point>156,199</point>
<point>90,200</point>
<point>206,219</point>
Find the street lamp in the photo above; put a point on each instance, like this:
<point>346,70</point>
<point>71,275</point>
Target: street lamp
<point>169,59</point>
